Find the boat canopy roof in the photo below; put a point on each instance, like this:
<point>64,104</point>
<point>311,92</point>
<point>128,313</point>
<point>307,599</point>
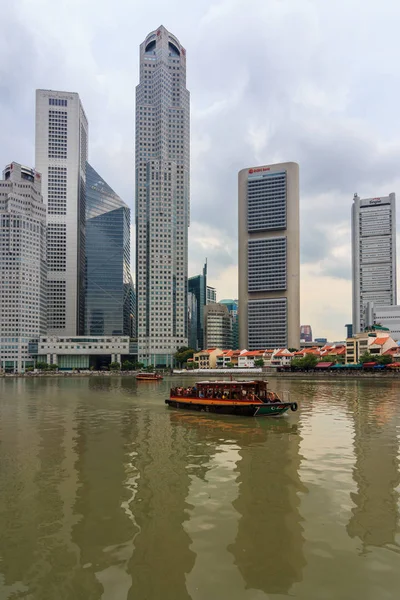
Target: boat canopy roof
<point>233,382</point>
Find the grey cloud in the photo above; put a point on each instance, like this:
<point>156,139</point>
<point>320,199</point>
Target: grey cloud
<point>269,81</point>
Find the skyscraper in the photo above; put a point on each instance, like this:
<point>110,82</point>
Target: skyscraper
<point>162,198</point>
<point>211,295</point>
<point>373,255</point>
<point>109,286</point>
<point>23,269</point>
<point>217,327</point>
<point>61,154</point>
<point>305,333</point>
<point>232,306</point>
<point>269,257</point>
<point>198,287</point>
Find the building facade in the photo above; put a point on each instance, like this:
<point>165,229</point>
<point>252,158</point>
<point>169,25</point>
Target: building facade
<point>61,153</point>
<point>385,316</point>
<point>162,198</point>
<point>109,287</point>
<point>23,269</point>
<point>232,306</point>
<point>305,333</point>
<point>269,257</point>
<point>217,326</point>
<point>197,286</point>
<point>211,295</point>
<point>81,352</point>
<point>373,255</point>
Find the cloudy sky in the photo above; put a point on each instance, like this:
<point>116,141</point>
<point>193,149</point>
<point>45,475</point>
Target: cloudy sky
<point>310,81</point>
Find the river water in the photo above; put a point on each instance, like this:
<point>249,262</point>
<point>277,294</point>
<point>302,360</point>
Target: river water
<point>105,493</point>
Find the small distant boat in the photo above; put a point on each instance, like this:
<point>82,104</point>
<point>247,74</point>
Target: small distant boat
<point>148,377</point>
<point>243,398</point>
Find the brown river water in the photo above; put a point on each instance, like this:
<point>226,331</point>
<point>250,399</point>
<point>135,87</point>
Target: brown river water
<point>105,493</point>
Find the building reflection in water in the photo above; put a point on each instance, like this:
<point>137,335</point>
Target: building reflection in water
<point>161,557</point>
<point>38,498</point>
<point>375,516</point>
<point>268,549</point>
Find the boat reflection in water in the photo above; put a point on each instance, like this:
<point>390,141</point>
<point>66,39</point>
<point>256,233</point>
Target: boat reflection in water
<point>267,548</point>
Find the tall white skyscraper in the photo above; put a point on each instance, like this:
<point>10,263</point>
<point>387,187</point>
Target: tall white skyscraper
<point>61,155</point>
<point>162,198</point>
<point>269,257</point>
<point>373,255</point>
<point>22,265</point>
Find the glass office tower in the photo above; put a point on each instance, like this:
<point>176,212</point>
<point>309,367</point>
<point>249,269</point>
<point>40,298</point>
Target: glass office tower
<point>109,292</point>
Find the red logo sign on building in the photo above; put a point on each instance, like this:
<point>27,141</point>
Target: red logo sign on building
<point>259,170</point>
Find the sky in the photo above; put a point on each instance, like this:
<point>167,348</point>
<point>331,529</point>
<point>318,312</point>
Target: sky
<point>309,81</point>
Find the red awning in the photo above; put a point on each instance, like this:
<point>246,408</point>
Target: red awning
<point>324,365</point>
<point>369,364</point>
<point>395,365</point>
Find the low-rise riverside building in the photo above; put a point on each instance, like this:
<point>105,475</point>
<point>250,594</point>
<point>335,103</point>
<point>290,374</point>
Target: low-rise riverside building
<point>376,343</point>
<point>82,352</point>
<point>207,359</point>
<point>228,357</point>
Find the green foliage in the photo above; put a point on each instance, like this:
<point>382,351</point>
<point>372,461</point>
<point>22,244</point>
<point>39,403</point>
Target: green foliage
<point>149,368</point>
<point>386,359</point>
<point>230,365</point>
<point>28,369</point>
<point>183,354</point>
<point>259,362</point>
<point>42,366</point>
<point>366,357</point>
<point>293,349</point>
<point>137,366</point>
<point>115,366</point>
<point>308,362</point>
<point>330,358</point>
<point>52,367</point>
<point>127,365</point>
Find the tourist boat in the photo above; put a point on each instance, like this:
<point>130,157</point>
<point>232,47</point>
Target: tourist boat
<point>244,398</point>
<point>148,377</point>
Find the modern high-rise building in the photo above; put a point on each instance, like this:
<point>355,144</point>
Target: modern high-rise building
<point>162,198</point>
<point>305,333</point>
<point>61,155</point>
<point>373,255</point>
<point>211,295</point>
<point>23,270</point>
<point>232,306</point>
<point>109,287</point>
<point>217,327</point>
<point>198,287</point>
<point>269,257</point>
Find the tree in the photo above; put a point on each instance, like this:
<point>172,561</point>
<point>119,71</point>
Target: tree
<point>259,362</point>
<point>52,367</point>
<point>42,366</point>
<point>183,354</point>
<point>115,366</point>
<point>149,368</point>
<point>330,358</point>
<point>308,362</point>
<point>230,365</point>
<point>385,359</point>
<point>293,349</point>
<point>28,369</point>
<point>366,357</point>
<point>192,365</point>
<point>127,365</point>
<point>137,366</point>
